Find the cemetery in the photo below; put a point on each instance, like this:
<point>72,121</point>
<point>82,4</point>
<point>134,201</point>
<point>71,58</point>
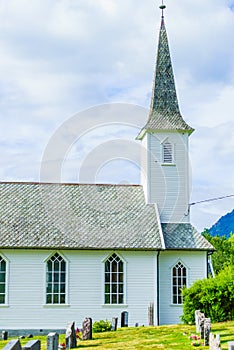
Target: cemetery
<point>202,335</point>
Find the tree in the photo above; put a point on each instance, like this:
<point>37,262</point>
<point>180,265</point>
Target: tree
<point>224,250</point>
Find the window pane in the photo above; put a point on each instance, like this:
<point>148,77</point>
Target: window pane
<point>56,277</point>
<point>107,288</point>
<point>2,277</point>
<point>107,298</point>
<point>120,298</point>
<point>2,299</point>
<point>107,277</point>
<point>2,288</point>
<point>62,299</point>
<point>114,298</point>
<point>62,288</point>
<point>49,298</point>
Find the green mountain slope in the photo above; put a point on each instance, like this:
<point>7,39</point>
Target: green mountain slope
<point>224,226</point>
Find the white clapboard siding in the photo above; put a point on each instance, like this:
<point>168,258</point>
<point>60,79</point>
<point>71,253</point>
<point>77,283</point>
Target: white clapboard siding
<point>196,267</point>
<point>27,308</point>
<point>168,185</point>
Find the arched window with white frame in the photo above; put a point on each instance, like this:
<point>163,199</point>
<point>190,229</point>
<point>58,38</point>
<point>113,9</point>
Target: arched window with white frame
<point>179,281</point>
<point>56,280</point>
<point>114,280</point>
<point>2,280</point>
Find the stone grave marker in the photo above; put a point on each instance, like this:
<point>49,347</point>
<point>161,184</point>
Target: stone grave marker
<point>151,314</point>
<point>71,336</point>
<point>4,335</point>
<point>207,328</point>
<point>114,323</point>
<point>124,319</point>
<point>13,344</point>
<point>52,341</point>
<point>87,329</point>
<point>231,345</point>
<point>33,345</point>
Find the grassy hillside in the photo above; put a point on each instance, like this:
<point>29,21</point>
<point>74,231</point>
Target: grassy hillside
<point>176,337</point>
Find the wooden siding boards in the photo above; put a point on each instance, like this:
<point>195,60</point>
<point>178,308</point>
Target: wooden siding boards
<point>168,185</point>
<point>196,265</point>
<point>27,308</point>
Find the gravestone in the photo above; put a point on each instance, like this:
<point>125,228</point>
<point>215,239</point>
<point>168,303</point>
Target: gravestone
<point>207,328</point>
<point>198,319</point>
<point>201,324</point>
<point>151,314</point>
<point>4,335</point>
<point>33,345</point>
<point>124,319</point>
<point>231,345</point>
<point>13,345</point>
<point>114,323</point>
<point>71,336</point>
<point>52,341</point>
<point>214,342</point>
<point>87,329</point>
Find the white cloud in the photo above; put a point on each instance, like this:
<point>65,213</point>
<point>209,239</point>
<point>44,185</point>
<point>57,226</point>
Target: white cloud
<point>61,56</point>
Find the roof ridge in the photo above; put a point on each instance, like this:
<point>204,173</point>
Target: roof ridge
<point>66,183</point>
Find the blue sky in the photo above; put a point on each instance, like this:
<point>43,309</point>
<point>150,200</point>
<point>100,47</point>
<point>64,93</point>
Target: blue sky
<point>61,57</point>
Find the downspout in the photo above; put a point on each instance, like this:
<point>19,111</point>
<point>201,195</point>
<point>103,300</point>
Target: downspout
<point>158,316</point>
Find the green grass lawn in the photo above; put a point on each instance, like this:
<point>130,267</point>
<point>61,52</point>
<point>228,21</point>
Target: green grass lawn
<point>174,337</point>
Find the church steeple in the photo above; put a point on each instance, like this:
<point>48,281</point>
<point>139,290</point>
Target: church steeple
<point>164,109</point>
<point>165,148</point>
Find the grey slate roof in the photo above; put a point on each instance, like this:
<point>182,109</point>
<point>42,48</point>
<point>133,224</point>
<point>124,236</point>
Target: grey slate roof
<point>184,236</point>
<point>164,110</point>
<point>37,215</point>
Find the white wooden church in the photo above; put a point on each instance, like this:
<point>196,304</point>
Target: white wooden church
<point>70,251</point>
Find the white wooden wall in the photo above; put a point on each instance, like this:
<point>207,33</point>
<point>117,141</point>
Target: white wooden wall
<point>196,264</point>
<point>168,185</point>
<point>26,294</point>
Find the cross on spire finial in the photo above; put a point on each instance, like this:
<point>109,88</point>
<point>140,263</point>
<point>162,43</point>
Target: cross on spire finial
<point>162,7</point>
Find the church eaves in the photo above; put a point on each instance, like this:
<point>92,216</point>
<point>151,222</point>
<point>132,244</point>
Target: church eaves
<point>164,110</point>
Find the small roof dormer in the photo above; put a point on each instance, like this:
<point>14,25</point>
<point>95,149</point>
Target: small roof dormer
<point>164,109</point>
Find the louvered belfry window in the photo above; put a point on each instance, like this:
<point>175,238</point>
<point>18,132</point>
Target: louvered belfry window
<point>179,280</point>
<point>56,280</point>
<point>114,280</point>
<point>167,152</point>
<point>2,280</point>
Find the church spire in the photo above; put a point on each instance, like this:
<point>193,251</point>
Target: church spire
<point>164,109</point>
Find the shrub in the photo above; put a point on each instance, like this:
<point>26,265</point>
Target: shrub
<point>213,296</point>
<point>102,326</point>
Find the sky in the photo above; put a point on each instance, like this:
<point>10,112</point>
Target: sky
<point>75,87</point>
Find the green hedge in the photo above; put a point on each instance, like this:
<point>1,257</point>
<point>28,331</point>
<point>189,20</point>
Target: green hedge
<point>213,296</point>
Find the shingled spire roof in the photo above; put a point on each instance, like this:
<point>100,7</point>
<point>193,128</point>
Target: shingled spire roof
<point>164,110</point>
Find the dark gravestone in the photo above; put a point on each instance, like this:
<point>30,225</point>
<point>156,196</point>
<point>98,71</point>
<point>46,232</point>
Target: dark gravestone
<point>87,329</point>
<point>4,335</point>
<point>114,323</point>
<point>207,328</point>
<point>124,319</point>
<point>33,345</point>
<point>52,341</point>
<point>13,345</point>
<point>201,324</point>
<point>71,336</point>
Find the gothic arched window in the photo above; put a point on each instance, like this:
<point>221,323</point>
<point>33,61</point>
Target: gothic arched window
<point>114,280</point>
<point>2,280</point>
<point>179,280</point>
<point>56,280</point>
